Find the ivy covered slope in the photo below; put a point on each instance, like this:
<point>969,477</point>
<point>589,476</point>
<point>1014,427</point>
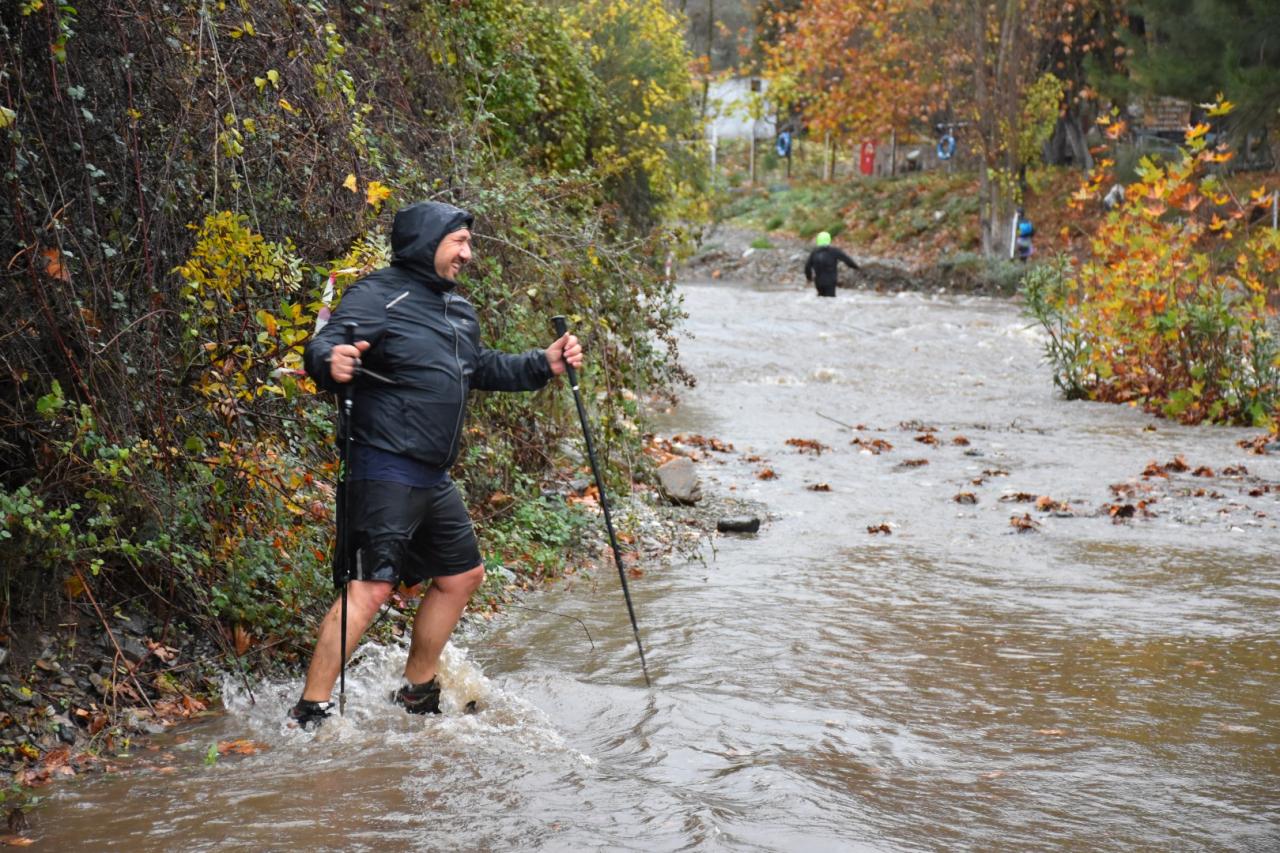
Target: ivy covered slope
<point>183,180</point>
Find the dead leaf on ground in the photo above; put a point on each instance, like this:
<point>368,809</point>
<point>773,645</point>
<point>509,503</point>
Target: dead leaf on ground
<point>879,528</point>
<point>243,640</point>
<point>1023,523</point>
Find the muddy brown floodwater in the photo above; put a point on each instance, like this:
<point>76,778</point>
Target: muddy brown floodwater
<point>1107,679</point>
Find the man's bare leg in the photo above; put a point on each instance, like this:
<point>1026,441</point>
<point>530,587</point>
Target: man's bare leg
<point>437,616</point>
<point>364,598</point>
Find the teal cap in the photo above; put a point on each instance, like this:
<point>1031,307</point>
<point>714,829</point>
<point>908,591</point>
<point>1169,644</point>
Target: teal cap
<point>823,239</point>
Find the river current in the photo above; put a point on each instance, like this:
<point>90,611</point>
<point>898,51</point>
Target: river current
<point>1028,625</point>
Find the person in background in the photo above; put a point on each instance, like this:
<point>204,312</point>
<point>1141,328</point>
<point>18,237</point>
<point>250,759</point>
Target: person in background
<point>1022,245</point>
<point>823,264</point>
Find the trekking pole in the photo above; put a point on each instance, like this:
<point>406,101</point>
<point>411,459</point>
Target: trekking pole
<point>561,326</point>
<point>344,531</point>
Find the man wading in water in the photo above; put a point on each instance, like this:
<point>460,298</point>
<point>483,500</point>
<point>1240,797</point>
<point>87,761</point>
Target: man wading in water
<point>823,265</point>
<point>421,344</point>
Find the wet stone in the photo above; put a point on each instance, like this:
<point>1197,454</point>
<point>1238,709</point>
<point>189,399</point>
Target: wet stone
<point>739,524</point>
<point>133,649</point>
<point>679,482</point>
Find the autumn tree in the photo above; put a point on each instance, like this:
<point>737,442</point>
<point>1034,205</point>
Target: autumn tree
<point>1004,48</point>
<point>854,69</point>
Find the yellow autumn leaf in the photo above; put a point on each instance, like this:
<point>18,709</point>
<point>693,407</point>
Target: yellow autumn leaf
<point>377,193</point>
<point>287,107</point>
<point>350,183</point>
<point>7,116</point>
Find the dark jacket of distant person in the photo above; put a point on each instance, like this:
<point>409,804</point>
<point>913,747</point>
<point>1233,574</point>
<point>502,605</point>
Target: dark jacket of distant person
<point>823,263</point>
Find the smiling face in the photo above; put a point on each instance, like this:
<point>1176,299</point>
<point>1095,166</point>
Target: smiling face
<point>453,253</point>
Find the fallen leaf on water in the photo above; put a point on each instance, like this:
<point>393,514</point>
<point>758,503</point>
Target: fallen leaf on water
<point>1117,511</point>
<point>1054,732</point>
<point>240,746</point>
<point>960,441</point>
<point>879,528</point>
<point>995,472</point>
<point>1234,471</point>
<point>1018,497</point>
<point>916,426</point>
<point>914,463</point>
<point>1044,503</point>
<point>927,438</point>
<point>819,487</point>
<point>807,445</point>
<point>17,841</point>
<point>635,573</point>
<point>1256,445</point>
<point>1023,523</point>
<point>766,474</point>
<point>1202,471</point>
<point>994,774</point>
<point>875,445</point>
<point>965,498</point>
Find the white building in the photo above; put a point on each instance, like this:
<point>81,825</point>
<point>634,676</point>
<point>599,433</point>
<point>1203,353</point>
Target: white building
<point>729,113</point>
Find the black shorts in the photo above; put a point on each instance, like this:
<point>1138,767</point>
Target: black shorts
<point>406,534</point>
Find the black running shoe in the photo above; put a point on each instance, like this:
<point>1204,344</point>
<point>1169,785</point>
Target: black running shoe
<point>309,715</point>
<point>419,698</point>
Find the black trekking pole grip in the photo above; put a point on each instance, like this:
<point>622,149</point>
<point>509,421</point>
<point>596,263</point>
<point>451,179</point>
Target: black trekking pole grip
<point>561,327</point>
<point>348,396</point>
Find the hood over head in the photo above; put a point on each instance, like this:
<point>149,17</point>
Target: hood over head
<point>823,239</point>
<point>416,233</point>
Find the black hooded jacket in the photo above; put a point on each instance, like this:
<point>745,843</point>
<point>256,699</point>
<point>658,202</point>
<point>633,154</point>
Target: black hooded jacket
<point>822,265</point>
<point>425,339</point>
